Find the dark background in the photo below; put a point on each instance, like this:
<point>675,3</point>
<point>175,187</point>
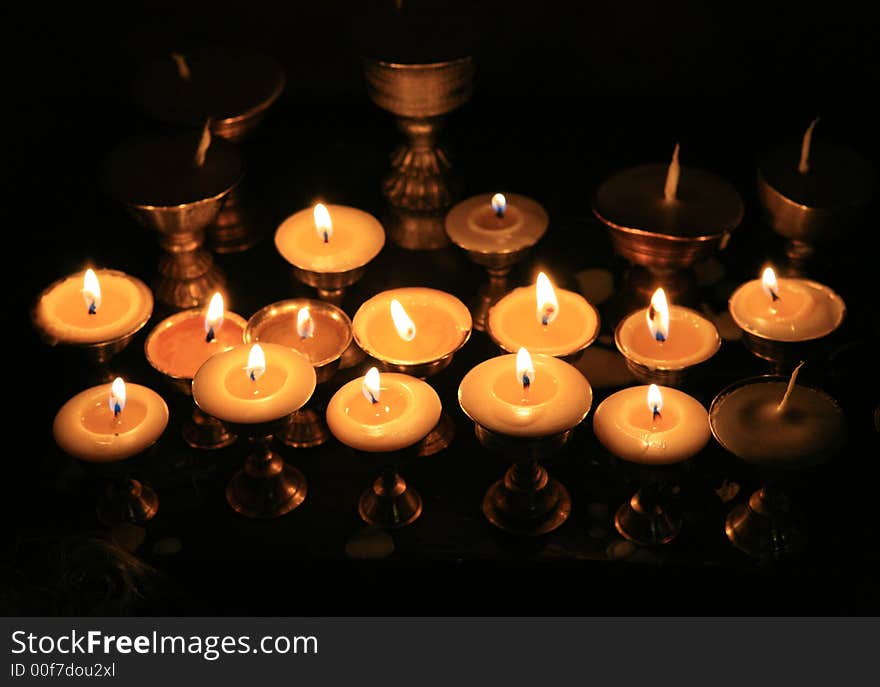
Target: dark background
<point>565,94</point>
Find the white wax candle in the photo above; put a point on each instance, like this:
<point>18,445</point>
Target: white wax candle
<point>87,428</point>
<point>223,389</point>
<point>404,411</point>
<point>690,340</point>
<point>629,428</point>
<point>557,397</point>
<point>488,224</point>
<point>62,312</point>
<point>355,239</point>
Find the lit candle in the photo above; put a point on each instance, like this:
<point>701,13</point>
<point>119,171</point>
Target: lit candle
<point>544,320</point>
<point>254,384</point>
<point>525,396</point>
<point>380,413</point>
<point>410,326</point>
<point>233,88</point>
<point>95,306</point>
<point>110,422</point>
<point>329,238</point>
<point>778,423</point>
<point>786,309</point>
<point>318,330</point>
<point>181,343</point>
<point>652,425</point>
<point>666,337</point>
<point>669,199</point>
<point>504,222</point>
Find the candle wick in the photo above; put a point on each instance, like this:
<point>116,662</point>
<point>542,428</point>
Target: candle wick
<point>373,399</point>
<point>209,337</point>
<point>773,295</point>
<point>526,382</point>
<point>253,375</point>
<point>657,413</point>
<point>789,388</point>
<point>204,144</point>
<point>806,144</point>
<point>116,409</point>
<point>93,308</point>
<point>326,236</point>
<point>183,70</point>
<point>499,212</point>
<point>670,189</point>
<point>659,336</point>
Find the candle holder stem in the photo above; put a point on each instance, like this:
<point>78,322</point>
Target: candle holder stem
<point>266,487</point>
<point>527,500</point>
<point>306,430</point>
<point>232,231</point>
<point>438,438</point>
<point>125,499</point>
<point>645,519</point>
<point>333,296</point>
<point>205,432</point>
<point>765,526</point>
<point>389,503</point>
<point>490,293</point>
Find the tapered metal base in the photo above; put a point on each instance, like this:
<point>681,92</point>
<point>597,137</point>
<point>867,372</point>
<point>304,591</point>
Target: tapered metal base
<point>127,500</point>
<point>438,438</point>
<point>232,231</point>
<point>645,520</point>
<point>527,501</point>
<point>306,430</point>
<point>489,294</point>
<point>187,279</point>
<point>267,487</point>
<point>389,503</point>
<point>765,527</point>
<point>207,433</point>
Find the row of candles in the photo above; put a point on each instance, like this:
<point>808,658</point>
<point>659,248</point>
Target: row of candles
<point>256,376</point>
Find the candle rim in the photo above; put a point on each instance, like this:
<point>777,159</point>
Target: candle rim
<point>42,321</point>
<point>168,323</point>
<point>265,315</point>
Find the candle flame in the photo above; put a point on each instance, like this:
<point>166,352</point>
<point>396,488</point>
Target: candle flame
<point>548,306</point>
<point>806,144</point>
<point>525,370</point>
<point>404,325</point>
<point>655,400</point>
<point>117,396</point>
<point>769,283</point>
<point>256,364</point>
<point>305,325</point>
<point>499,204</point>
<point>323,223</point>
<point>657,316</point>
<point>670,189</point>
<point>214,317</point>
<point>371,385</point>
<point>91,291</point>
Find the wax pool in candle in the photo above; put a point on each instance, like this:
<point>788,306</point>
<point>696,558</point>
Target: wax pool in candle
<point>327,337</point>
<point>493,395</point>
<point>63,314</point>
<point>513,323</point>
<point>406,409</point>
<point>442,325</point>
<point>161,171</point>
<point>690,339</point>
<point>88,429</point>
<point>747,420</point>
<point>178,346</point>
<point>626,424</point>
<point>496,224</point>
<point>704,204</point>
<point>802,310</point>
<point>356,238</point>
<point>223,388</point>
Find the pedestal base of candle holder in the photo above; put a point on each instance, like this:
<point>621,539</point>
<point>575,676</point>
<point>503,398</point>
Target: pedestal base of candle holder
<point>201,431</point>
<point>232,230</point>
<point>527,501</point>
<point>127,500</point>
<point>644,520</point>
<point>415,231</point>
<point>389,503</point>
<point>489,294</point>
<point>306,430</point>
<point>267,487</point>
<point>681,285</point>
<point>188,279</point>
<point>329,285</point>
<point>438,438</point>
<point>765,527</point>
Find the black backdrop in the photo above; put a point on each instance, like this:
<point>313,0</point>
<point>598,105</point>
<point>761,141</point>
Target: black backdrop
<point>566,93</point>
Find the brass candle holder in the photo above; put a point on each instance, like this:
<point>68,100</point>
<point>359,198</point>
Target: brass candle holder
<point>390,502</point>
<point>99,353</point>
<point>266,487</point>
<point>200,430</point>
<point>419,187</point>
<point>277,323</point>
<point>124,498</point>
<point>187,276</point>
<point>649,518</point>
